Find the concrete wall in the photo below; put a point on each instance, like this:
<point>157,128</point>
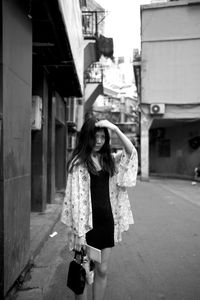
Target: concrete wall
<point>15,109</point>
<point>170,53</point>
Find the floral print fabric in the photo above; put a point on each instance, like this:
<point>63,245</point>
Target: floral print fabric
<point>77,207</point>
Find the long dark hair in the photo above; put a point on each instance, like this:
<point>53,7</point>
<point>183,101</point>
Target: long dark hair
<point>85,145</point>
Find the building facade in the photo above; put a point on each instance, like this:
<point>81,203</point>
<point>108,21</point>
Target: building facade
<point>167,77</point>
<point>41,67</point>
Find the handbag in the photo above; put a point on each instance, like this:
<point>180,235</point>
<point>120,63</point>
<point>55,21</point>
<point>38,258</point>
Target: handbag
<point>76,277</point>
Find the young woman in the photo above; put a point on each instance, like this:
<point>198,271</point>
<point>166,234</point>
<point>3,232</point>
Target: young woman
<point>96,208</point>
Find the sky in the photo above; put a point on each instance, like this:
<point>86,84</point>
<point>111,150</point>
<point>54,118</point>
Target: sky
<point>123,24</point>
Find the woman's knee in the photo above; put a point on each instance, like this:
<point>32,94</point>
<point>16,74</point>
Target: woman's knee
<point>102,270</point>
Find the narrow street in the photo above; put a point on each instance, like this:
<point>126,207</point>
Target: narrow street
<point>159,258</point>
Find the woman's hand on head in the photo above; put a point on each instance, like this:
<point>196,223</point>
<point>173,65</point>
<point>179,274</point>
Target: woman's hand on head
<point>107,124</point>
<point>126,143</point>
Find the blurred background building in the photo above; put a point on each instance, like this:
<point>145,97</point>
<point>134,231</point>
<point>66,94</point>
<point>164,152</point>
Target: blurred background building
<point>167,76</point>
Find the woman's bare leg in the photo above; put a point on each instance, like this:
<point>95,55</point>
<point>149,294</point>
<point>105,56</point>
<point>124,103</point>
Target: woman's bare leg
<point>83,296</point>
<point>100,279</point>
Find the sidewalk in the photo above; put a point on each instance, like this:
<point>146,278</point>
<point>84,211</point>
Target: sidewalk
<point>41,226</point>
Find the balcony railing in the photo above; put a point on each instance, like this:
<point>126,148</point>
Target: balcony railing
<point>89,24</point>
<point>94,73</point>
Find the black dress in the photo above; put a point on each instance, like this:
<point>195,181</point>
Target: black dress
<point>102,234</point>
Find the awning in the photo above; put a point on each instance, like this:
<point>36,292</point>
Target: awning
<point>92,91</point>
<point>72,19</point>
<point>56,46</point>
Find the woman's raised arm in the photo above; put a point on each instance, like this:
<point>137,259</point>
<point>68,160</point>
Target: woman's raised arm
<point>123,138</point>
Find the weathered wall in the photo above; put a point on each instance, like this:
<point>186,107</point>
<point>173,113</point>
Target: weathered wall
<point>170,54</point>
<point>16,67</point>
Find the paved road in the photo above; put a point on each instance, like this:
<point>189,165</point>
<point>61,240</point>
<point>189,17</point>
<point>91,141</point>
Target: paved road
<point>160,256</point>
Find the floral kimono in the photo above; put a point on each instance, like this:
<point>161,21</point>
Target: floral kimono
<point>77,206</point>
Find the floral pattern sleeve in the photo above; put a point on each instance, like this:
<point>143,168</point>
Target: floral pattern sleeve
<point>77,210</point>
<point>127,167</point>
<point>66,216</point>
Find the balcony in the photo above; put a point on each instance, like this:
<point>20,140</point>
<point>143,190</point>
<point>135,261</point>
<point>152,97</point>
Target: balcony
<point>91,27</point>
<point>94,74</point>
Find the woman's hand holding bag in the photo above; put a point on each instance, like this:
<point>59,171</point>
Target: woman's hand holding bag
<point>76,278</point>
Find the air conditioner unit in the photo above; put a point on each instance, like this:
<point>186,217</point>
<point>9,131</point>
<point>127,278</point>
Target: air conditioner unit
<point>157,109</point>
<point>36,116</point>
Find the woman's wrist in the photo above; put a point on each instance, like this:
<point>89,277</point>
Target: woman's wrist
<point>127,144</point>
<point>116,129</point>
